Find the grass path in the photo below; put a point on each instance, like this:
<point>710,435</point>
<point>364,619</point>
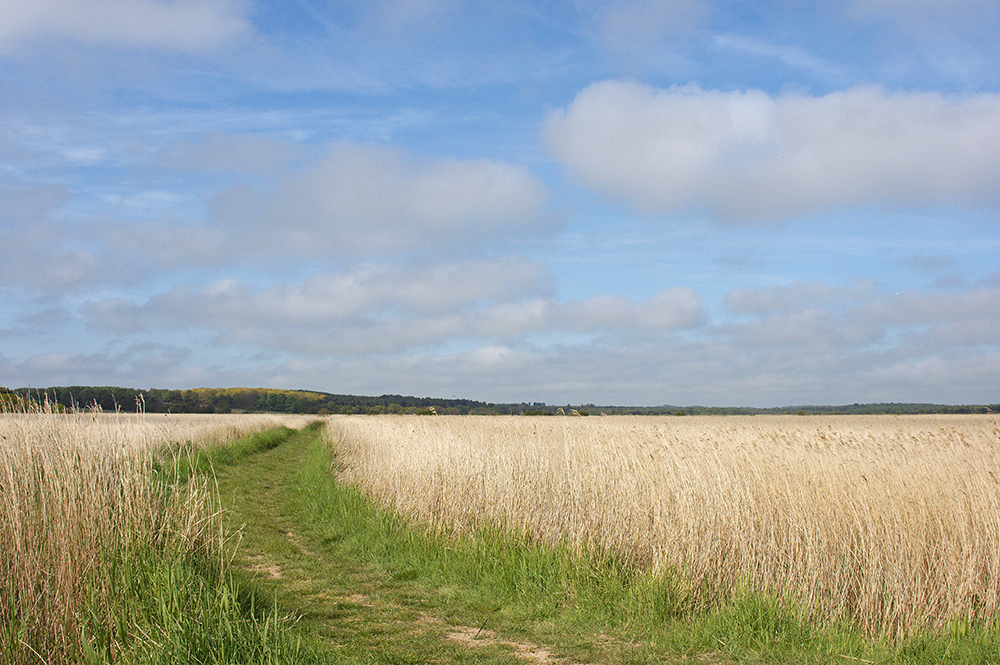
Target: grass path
<point>366,588</point>
<point>310,547</point>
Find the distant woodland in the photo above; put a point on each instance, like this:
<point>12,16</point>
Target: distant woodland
<point>268,400</point>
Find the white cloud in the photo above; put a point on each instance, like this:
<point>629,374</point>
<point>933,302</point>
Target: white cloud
<point>674,371</point>
<point>372,309</point>
<point>679,307</point>
<point>857,318</point>
<point>750,156</point>
<point>797,296</point>
<point>956,320</point>
<point>139,365</point>
<point>370,200</point>
<point>356,201</point>
<point>803,333</point>
<point>189,26</point>
<point>365,309</point>
<point>33,249</point>
<point>797,344</point>
<point>362,290</point>
<point>380,186</point>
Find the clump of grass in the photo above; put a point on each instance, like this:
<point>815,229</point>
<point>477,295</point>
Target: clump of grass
<point>152,606</point>
<point>885,524</point>
<point>102,559</point>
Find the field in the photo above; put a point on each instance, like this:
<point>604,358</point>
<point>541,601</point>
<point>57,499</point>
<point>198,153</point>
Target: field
<point>808,539</point>
<point>85,499</point>
<point>888,524</point>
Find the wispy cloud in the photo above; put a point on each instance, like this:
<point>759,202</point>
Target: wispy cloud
<point>188,26</point>
<point>639,27</point>
<point>932,20</point>
<point>793,56</point>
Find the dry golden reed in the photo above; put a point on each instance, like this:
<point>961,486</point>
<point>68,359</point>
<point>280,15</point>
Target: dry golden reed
<point>891,523</point>
<point>76,489</point>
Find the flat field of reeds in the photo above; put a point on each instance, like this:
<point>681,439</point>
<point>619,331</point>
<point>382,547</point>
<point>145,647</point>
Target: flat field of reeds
<point>81,503</point>
<point>890,524</point>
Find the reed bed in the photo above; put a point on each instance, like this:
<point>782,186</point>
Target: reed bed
<point>890,524</point>
<point>79,500</point>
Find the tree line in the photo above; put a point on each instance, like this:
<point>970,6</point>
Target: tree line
<point>234,400</point>
<point>270,400</point>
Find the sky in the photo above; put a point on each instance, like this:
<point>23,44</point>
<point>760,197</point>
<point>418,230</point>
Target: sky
<point>637,202</point>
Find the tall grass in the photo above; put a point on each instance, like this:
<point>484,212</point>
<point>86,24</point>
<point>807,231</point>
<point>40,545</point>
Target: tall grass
<point>89,532</point>
<point>890,524</point>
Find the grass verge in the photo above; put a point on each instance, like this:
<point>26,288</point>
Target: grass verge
<point>181,610</point>
<point>153,602</point>
<point>111,555</point>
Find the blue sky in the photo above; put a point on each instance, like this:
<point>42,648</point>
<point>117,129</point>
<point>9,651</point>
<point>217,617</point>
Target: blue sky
<point>636,202</point>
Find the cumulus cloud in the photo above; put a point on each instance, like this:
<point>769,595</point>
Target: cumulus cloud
<point>750,156</point>
<point>361,199</point>
<point>374,309</point>
<point>328,298</point>
<point>145,364</point>
<point>188,26</point>
<point>380,186</point>
<point>815,343</point>
<point>857,318</point>
<point>957,320</point>
<point>495,328</point>
<point>797,296</point>
<point>33,249</point>
<point>678,307</point>
<point>364,309</point>
<point>677,370</point>
<point>356,202</point>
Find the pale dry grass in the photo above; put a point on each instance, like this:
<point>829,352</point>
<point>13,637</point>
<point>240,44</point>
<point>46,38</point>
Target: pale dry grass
<point>75,489</point>
<point>889,522</point>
